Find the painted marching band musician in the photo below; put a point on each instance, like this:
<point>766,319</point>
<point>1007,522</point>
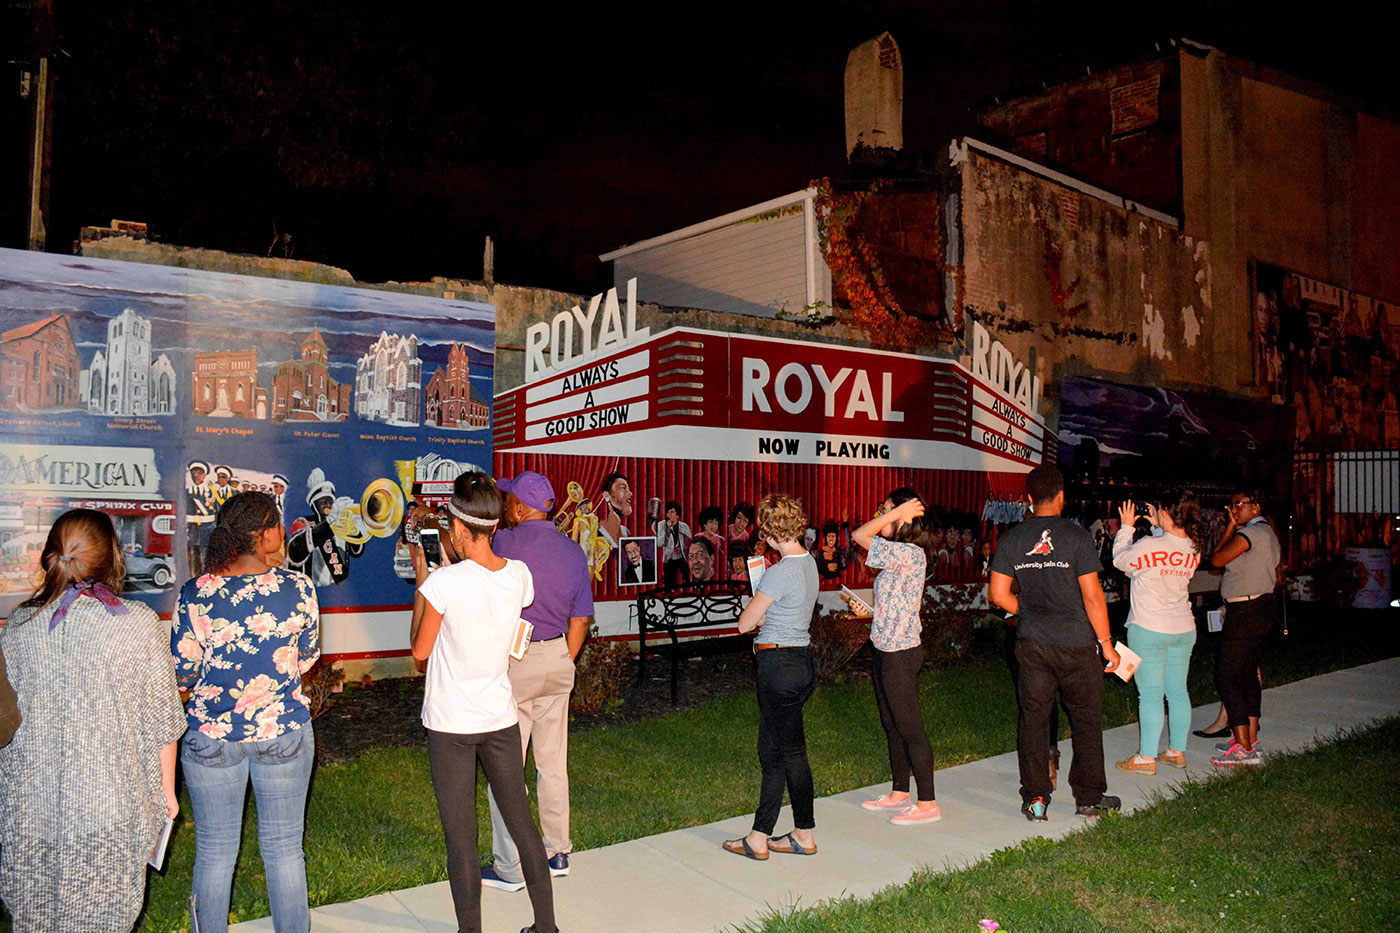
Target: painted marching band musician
<point>222,490</point>
<point>199,514</point>
<point>312,545</point>
<point>279,493</point>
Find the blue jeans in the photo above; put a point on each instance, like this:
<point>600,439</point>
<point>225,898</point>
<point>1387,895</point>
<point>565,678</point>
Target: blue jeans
<point>1166,659</point>
<point>216,774</point>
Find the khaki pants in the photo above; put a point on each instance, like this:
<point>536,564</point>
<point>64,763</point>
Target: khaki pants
<point>541,682</point>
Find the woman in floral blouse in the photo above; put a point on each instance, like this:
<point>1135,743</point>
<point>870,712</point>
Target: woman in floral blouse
<point>898,546</point>
<point>245,632</point>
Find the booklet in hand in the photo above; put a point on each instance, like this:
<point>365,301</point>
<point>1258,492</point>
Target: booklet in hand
<point>858,606</point>
<point>520,641</point>
<point>755,567</point>
<point>1128,662</point>
<point>157,859</point>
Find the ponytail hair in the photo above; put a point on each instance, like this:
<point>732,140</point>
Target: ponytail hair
<point>1185,511</point>
<point>241,519</point>
<point>915,531</point>
<point>475,503</point>
<point>82,546</point>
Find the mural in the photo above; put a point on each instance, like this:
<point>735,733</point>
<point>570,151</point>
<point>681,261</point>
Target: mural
<point>155,393</point>
<point>1333,354</point>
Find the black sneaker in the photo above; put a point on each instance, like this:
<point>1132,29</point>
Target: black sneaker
<point>1035,808</point>
<point>1109,802</point>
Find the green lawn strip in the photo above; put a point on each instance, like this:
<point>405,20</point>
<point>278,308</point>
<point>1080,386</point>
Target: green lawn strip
<point>372,823</point>
<point>1306,842</point>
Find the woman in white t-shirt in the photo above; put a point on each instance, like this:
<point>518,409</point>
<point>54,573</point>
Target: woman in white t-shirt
<point>1161,627</point>
<point>466,615</point>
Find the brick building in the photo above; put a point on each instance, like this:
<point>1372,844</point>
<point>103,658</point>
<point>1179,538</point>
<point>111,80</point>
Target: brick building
<point>449,401</point>
<point>303,390</point>
<point>39,366</point>
<point>225,384</point>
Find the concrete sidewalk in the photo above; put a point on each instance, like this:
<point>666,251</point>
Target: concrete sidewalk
<point>682,881</point>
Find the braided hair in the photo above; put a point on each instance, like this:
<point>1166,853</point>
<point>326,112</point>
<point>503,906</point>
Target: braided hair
<point>82,546</point>
<point>241,519</point>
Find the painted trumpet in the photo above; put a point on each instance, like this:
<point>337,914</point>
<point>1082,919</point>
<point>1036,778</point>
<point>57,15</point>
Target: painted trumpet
<point>376,515</point>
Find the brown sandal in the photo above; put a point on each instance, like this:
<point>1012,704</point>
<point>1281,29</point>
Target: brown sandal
<point>788,845</point>
<point>742,847</point>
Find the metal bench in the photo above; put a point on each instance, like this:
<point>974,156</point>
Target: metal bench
<point>690,607</point>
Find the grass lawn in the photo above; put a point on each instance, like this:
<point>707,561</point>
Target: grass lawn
<point>1307,842</point>
<point>372,823</point>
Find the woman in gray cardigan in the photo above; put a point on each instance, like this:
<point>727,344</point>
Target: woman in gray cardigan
<point>87,783</point>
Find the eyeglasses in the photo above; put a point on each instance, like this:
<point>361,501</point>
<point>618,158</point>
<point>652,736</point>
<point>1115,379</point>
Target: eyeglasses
<point>1241,504</point>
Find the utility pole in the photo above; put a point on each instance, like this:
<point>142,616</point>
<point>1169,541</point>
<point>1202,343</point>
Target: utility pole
<point>41,125</point>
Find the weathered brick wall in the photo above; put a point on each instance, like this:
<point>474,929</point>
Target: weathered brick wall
<point>1118,129</point>
<point>1093,288</point>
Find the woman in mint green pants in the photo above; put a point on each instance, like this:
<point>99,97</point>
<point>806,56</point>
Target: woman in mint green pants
<point>1160,626</point>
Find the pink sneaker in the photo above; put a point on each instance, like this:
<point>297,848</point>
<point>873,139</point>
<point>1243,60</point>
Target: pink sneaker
<point>886,802</point>
<point>913,816</point>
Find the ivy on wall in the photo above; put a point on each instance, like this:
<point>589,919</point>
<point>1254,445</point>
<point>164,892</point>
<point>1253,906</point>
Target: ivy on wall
<point>858,244</point>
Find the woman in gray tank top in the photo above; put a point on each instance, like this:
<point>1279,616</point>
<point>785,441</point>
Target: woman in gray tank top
<point>1249,553</point>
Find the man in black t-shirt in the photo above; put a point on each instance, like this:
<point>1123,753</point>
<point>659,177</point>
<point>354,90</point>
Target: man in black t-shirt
<point>1063,627</point>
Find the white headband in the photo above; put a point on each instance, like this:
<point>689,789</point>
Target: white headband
<point>471,520</point>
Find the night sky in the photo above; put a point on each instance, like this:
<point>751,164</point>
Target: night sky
<point>389,139</point>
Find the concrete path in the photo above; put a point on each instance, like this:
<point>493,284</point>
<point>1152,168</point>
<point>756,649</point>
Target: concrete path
<point>682,881</point>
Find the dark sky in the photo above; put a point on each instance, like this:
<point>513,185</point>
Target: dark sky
<point>389,139</point>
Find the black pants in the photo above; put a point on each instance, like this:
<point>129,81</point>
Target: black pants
<point>452,759</point>
<point>1237,662</point>
<point>786,677</point>
<point>1077,673</point>
<point>895,675</point>
<point>1053,720</point>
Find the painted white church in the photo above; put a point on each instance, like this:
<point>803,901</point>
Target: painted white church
<point>124,380</point>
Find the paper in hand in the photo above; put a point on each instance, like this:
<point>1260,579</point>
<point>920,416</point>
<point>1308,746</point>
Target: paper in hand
<point>1128,662</point>
<point>157,859</point>
<point>520,641</point>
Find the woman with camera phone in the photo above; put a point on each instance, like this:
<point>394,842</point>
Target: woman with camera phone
<point>1161,627</point>
<point>468,612</point>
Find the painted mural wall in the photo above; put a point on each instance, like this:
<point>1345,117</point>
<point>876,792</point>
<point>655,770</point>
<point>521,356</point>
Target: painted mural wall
<point>154,394</point>
<point>1065,275</point>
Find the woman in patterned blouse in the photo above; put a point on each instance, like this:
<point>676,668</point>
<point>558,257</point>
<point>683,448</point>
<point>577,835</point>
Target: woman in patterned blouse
<point>898,546</point>
<point>89,780</point>
<point>245,632</point>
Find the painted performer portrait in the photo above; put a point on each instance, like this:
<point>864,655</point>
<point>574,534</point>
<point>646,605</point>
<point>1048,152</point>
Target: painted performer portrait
<point>313,545</point>
<point>637,566</point>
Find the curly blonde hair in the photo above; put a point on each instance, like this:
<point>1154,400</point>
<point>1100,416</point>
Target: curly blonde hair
<point>781,518</point>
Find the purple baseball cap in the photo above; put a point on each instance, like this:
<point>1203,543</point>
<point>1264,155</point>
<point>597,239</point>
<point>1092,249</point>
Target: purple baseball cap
<point>530,488</point>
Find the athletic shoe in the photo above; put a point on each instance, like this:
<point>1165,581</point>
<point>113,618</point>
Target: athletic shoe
<point>1108,802</point>
<point>1225,746</point>
<point>1175,759</point>
<point>1238,755</point>
<point>886,802</point>
<point>913,816</point>
<point>1133,766</point>
<point>489,879</point>
<point>1035,810</point>
<point>559,865</point>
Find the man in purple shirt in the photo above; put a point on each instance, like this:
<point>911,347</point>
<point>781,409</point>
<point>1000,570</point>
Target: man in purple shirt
<point>541,681</point>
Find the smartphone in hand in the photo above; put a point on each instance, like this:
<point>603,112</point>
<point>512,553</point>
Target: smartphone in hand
<point>431,543</point>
